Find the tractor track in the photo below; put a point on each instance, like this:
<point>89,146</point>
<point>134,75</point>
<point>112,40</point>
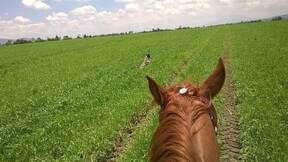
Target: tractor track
<point>140,119</point>
<point>229,128</point>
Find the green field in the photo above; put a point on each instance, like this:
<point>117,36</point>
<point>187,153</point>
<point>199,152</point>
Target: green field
<point>68,100</point>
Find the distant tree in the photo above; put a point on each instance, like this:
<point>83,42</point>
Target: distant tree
<point>186,27</point>
<point>21,41</point>
<point>57,38</point>
<point>277,18</point>
<point>39,40</point>
<point>155,30</point>
<point>18,41</point>
<point>9,42</point>
<point>50,39</point>
<point>87,36</point>
<point>79,36</point>
<point>66,37</point>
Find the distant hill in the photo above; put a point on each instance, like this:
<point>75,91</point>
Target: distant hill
<point>224,20</point>
<point>284,17</point>
<point>28,39</point>
<point>3,40</point>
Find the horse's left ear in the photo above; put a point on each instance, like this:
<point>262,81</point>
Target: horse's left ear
<point>156,91</point>
<point>215,81</point>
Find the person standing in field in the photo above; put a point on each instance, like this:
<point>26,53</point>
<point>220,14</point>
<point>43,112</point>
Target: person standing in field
<point>147,61</point>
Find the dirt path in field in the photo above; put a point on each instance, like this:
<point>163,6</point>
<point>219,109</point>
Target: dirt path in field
<point>229,129</point>
<point>139,120</point>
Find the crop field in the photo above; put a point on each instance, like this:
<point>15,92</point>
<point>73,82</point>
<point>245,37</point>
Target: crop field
<point>71,100</point>
<point>259,54</point>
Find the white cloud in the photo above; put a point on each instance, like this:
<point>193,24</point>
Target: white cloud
<point>72,0</point>
<point>84,10</point>
<point>36,4</point>
<point>125,1</point>
<point>83,0</point>
<point>19,30</point>
<point>21,19</point>
<point>84,13</point>
<point>132,7</point>
<point>57,17</point>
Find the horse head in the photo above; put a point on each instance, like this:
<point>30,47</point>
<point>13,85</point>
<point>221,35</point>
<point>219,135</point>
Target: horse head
<point>187,120</point>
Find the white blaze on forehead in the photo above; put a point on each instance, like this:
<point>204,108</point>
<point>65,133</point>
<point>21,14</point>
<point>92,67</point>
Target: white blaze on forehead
<point>183,91</point>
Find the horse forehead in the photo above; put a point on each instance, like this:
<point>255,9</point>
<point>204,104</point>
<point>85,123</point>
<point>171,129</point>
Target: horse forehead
<point>184,103</point>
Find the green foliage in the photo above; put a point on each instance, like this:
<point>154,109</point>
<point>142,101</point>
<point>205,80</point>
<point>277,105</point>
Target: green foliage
<point>21,41</point>
<point>259,57</point>
<point>67,100</point>
<point>66,37</point>
<point>202,61</point>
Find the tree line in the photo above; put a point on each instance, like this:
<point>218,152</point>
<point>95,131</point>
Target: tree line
<point>58,38</point>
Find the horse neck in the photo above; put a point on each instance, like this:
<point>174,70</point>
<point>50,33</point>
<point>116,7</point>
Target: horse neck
<point>184,136</point>
<point>172,140</point>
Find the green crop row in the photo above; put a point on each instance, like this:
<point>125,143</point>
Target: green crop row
<point>259,57</point>
<point>200,65</point>
<point>258,54</point>
<point>66,101</point>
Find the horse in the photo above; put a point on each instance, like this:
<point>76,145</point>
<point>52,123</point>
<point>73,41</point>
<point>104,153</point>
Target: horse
<point>187,120</point>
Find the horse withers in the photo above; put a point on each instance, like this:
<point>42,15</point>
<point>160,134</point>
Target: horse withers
<point>187,120</point>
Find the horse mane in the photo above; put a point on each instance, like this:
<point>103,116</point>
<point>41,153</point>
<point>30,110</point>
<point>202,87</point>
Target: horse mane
<point>173,137</point>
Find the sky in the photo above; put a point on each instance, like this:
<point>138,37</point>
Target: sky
<point>48,18</point>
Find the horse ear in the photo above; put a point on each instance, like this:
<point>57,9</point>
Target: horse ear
<point>156,91</point>
<point>215,81</point>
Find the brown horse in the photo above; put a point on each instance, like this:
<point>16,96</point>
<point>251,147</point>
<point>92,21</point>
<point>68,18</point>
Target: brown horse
<point>187,121</point>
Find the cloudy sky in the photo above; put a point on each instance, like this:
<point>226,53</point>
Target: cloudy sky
<point>47,18</point>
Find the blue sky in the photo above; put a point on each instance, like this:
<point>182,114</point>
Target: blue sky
<point>47,18</point>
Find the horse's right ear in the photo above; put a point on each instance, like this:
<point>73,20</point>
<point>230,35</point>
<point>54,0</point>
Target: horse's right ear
<point>156,91</point>
<point>215,81</point>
